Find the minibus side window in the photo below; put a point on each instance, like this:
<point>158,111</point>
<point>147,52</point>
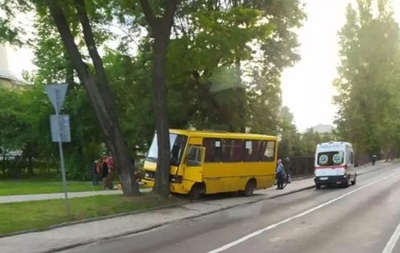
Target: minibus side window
<point>232,150</point>
<point>252,151</point>
<point>268,151</point>
<point>213,150</point>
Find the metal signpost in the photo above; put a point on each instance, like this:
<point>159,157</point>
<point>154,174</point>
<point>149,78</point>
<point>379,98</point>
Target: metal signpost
<point>60,129</point>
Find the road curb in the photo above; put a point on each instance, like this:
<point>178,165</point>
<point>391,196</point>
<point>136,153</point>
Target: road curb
<point>169,222</point>
<point>66,224</point>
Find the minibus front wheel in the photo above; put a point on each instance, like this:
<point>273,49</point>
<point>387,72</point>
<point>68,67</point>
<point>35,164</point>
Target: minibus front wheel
<point>196,191</point>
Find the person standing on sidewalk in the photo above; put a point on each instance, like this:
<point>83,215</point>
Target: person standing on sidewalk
<point>279,175</point>
<point>110,175</point>
<point>288,169</point>
<point>105,169</point>
<point>374,157</point>
<point>95,172</point>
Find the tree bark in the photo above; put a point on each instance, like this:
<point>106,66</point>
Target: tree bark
<point>162,124</point>
<point>161,31</point>
<point>98,92</point>
<point>28,153</point>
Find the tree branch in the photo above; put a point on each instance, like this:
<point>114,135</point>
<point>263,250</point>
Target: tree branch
<point>148,13</point>
<point>166,21</point>
<point>67,37</point>
<point>168,17</point>
<point>89,40</point>
<point>133,39</point>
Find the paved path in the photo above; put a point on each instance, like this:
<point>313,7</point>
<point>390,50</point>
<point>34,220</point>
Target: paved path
<point>78,234</point>
<point>37,197</point>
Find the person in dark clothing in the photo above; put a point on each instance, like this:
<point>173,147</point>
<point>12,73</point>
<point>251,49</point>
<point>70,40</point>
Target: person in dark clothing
<point>374,157</point>
<point>110,174</point>
<point>280,175</point>
<point>104,172</point>
<point>95,172</point>
<point>288,169</point>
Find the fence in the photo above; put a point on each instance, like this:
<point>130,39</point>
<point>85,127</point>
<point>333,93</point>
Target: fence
<point>19,167</point>
<point>302,165</point>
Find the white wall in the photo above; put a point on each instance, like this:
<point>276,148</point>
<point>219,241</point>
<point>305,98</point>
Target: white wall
<point>4,65</point>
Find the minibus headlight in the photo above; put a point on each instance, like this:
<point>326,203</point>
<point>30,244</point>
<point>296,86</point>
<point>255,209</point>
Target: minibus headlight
<point>176,179</point>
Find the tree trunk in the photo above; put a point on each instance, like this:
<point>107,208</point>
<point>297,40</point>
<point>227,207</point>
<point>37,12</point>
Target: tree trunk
<point>3,163</point>
<point>98,92</point>
<point>69,73</point>
<point>30,166</point>
<point>160,107</point>
<point>28,153</point>
<point>161,30</point>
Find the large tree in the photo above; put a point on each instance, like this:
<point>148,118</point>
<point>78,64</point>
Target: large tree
<point>160,30</point>
<point>97,86</point>
<point>367,83</point>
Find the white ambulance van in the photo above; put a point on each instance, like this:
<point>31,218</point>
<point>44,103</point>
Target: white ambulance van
<point>334,164</point>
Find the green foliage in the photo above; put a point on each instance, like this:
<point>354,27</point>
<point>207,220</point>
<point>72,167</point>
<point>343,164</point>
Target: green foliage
<point>290,144</point>
<point>131,83</point>
<point>9,119</point>
<point>224,64</point>
<point>7,34</point>
<point>293,143</point>
<point>310,139</point>
<point>368,80</point>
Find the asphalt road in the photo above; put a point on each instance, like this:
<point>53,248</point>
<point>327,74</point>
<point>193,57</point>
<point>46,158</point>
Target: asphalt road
<point>360,219</point>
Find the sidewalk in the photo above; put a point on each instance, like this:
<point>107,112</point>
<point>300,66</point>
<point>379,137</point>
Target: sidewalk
<point>37,197</point>
<point>78,234</point>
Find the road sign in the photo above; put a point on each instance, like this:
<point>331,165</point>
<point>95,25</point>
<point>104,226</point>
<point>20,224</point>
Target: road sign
<point>56,93</point>
<point>60,131</point>
<point>60,128</point>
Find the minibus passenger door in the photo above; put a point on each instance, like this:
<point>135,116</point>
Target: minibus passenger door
<point>194,163</point>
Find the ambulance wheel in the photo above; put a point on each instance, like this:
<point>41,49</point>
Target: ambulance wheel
<point>354,181</point>
<point>346,183</point>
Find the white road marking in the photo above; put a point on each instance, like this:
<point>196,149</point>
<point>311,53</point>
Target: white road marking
<point>258,232</point>
<point>393,240</point>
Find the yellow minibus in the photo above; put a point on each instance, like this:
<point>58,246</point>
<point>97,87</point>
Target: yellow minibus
<point>208,162</point>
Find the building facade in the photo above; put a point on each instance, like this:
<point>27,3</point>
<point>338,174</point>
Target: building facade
<point>9,80</point>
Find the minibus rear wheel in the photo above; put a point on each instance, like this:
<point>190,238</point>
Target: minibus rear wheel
<point>250,187</point>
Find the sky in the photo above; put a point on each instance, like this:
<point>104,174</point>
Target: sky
<point>307,86</point>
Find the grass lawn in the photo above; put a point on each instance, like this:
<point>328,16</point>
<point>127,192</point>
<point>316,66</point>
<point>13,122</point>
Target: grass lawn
<point>38,186</point>
<point>41,214</point>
